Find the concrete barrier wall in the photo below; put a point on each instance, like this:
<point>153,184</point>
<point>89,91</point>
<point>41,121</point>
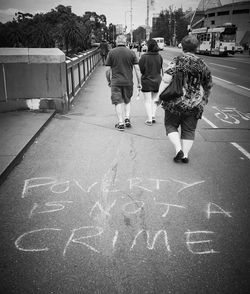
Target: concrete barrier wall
<point>32,78</point>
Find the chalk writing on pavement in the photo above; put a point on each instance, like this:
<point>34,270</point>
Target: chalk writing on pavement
<point>121,201</point>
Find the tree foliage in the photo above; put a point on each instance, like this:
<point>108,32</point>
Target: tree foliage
<point>63,29</point>
<point>56,28</point>
<point>139,34</point>
<point>171,25</point>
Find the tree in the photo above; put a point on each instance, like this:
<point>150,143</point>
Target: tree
<point>161,28</point>
<point>15,35</point>
<point>170,22</point>
<point>72,35</point>
<point>181,25</point>
<point>139,34</point>
<point>59,27</point>
<point>40,36</point>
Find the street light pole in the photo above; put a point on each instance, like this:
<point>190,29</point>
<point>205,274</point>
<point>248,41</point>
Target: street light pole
<point>126,20</point>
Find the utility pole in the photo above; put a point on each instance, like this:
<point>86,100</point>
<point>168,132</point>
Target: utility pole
<point>131,25</point>
<point>170,25</point>
<point>147,22</point>
<point>147,19</point>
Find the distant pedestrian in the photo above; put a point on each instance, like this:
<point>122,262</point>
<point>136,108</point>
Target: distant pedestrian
<point>121,61</point>
<point>151,74</point>
<point>186,110</point>
<point>104,50</point>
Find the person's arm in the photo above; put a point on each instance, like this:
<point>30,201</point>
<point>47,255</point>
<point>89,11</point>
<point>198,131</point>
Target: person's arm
<point>166,79</point>
<point>162,72</point>
<point>108,76</point>
<point>138,74</point>
<point>207,84</point>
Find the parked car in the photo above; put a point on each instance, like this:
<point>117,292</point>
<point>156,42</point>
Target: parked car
<point>238,48</point>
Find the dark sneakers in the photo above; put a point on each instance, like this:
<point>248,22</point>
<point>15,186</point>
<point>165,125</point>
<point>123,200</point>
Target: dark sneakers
<point>179,156</point>
<point>127,123</point>
<point>185,160</point>
<point>120,127</point>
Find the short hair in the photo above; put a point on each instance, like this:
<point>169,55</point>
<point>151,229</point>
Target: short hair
<point>189,43</point>
<point>121,40</point>
<point>152,46</point>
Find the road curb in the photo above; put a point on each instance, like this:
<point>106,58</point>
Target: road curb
<point>18,158</point>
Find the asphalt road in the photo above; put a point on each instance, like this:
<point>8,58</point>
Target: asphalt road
<point>94,210</point>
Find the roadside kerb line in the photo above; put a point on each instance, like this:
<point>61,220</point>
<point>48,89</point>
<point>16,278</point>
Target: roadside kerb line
<point>245,88</point>
<point>236,145</point>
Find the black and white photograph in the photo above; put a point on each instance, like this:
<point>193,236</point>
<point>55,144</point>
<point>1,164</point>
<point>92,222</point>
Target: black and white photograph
<point>125,147</point>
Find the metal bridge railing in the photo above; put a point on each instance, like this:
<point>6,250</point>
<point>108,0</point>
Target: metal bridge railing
<point>78,70</point>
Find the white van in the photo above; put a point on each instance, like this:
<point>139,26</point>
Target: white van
<point>160,42</point>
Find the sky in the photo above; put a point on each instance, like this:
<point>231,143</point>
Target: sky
<point>116,11</point>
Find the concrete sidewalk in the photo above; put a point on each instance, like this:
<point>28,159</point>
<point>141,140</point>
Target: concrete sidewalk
<point>18,131</point>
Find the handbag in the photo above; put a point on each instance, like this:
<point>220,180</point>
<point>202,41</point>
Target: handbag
<point>174,89</point>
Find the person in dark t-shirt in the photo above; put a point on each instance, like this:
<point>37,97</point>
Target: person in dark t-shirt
<point>104,51</point>
<point>121,61</point>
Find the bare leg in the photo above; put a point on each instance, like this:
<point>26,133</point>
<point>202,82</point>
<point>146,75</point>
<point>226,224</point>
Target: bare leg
<point>174,137</point>
<point>127,110</point>
<point>186,146</point>
<point>154,105</point>
<point>119,112</point>
<point>148,104</point>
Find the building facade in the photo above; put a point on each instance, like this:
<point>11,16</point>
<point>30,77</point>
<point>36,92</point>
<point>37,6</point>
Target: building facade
<point>237,13</point>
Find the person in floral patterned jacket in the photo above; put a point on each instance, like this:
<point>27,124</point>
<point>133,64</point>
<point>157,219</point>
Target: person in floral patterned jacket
<point>184,112</point>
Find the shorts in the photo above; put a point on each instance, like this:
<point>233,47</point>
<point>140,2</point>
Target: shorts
<point>121,94</point>
<point>187,122</point>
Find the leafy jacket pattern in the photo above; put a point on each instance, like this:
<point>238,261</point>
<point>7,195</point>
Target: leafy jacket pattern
<point>197,85</point>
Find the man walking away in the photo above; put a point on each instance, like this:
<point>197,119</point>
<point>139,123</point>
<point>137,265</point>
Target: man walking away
<point>121,61</point>
<point>104,50</point>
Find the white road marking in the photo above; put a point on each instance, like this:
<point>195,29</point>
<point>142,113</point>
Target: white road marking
<point>209,122</point>
<point>230,83</point>
<point>236,145</point>
<point>222,80</point>
<point>222,65</point>
<point>242,150</point>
